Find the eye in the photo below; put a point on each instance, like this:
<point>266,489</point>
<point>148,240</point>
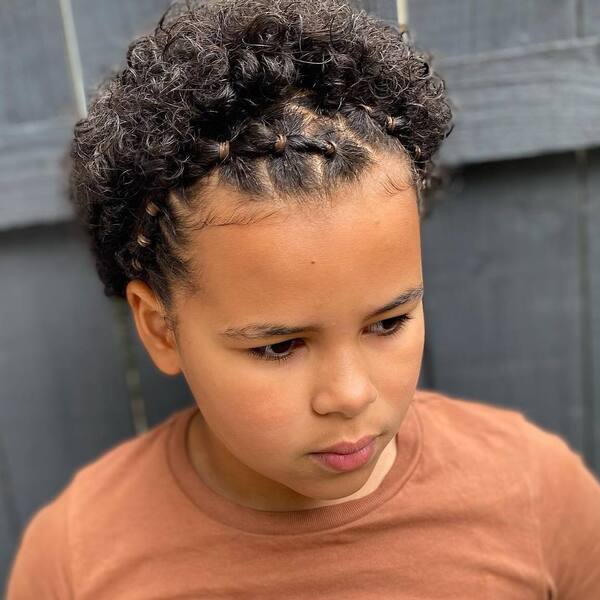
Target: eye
<point>280,351</point>
<point>262,352</point>
<point>395,324</point>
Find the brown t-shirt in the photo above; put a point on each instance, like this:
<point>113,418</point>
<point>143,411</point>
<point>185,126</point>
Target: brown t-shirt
<point>480,504</point>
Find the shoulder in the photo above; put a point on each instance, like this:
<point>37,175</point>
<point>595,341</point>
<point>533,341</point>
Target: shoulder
<point>488,436</point>
<point>97,503</point>
<point>40,567</point>
<point>126,473</point>
<point>468,419</point>
<point>556,473</point>
<point>472,421</point>
<point>492,445</point>
<point>131,450</point>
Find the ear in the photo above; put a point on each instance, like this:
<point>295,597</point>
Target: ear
<point>152,327</point>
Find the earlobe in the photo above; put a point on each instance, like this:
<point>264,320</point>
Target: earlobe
<point>152,327</point>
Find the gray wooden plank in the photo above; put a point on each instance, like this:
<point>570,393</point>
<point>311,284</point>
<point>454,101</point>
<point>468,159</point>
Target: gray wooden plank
<point>502,290</point>
<point>592,218</point>
<point>464,27</point>
<point>63,399</point>
<point>36,112</point>
<point>515,103</point>
<point>590,17</point>
<point>105,29</point>
<point>384,9</point>
<point>32,178</point>
<point>35,81</point>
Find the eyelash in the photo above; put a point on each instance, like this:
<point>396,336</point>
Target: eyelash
<point>256,352</point>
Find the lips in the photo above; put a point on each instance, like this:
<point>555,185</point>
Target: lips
<point>347,447</point>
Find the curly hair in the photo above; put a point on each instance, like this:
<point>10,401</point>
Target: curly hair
<point>278,98</point>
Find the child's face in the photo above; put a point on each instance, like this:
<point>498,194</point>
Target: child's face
<point>261,419</point>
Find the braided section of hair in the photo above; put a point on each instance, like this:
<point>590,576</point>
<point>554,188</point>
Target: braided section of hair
<point>286,97</point>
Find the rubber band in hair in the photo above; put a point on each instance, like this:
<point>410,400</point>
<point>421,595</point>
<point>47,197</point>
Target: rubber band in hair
<point>151,209</point>
<point>331,148</point>
<point>142,240</point>
<point>280,143</point>
<point>223,150</point>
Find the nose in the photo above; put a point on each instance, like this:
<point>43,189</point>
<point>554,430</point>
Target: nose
<point>344,385</point>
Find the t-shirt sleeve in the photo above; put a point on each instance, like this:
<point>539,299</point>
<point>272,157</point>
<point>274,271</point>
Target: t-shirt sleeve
<point>40,566</point>
<point>567,498</point>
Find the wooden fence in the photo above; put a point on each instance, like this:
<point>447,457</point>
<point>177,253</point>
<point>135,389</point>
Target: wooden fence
<point>511,251</point>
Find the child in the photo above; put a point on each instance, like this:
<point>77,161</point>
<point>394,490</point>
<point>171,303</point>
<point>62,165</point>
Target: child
<point>252,182</point>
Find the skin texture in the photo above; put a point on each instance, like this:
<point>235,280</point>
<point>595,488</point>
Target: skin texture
<point>330,266</point>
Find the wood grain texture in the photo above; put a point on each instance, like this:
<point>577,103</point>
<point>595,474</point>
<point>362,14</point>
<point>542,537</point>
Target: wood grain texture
<point>590,17</point>
<point>32,179</point>
<point>33,71</point>
<point>466,27</point>
<point>105,30</point>
<point>384,9</point>
<point>502,300</point>
<point>521,103</point>
<point>36,112</point>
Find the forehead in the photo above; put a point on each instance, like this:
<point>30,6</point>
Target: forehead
<point>279,255</point>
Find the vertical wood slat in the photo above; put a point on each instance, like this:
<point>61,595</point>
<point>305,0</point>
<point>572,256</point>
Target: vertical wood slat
<point>503,305</point>
<point>104,30</point>
<point>63,398</point>
<point>592,218</point>
<point>35,83</point>
<point>10,522</point>
<point>73,57</point>
<point>589,16</point>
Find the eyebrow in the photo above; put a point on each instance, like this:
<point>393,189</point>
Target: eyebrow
<point>266,330</point>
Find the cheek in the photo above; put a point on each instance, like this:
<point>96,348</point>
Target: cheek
<point>256,407</point>
<point>413,350</point>
<point>400,367</point>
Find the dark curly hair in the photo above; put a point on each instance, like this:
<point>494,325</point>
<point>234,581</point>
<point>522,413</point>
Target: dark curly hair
<point>280,98</point>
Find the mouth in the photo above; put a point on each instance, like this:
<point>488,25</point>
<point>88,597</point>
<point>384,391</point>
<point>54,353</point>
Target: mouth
<point>347,447</point>
<point>346,462</point>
